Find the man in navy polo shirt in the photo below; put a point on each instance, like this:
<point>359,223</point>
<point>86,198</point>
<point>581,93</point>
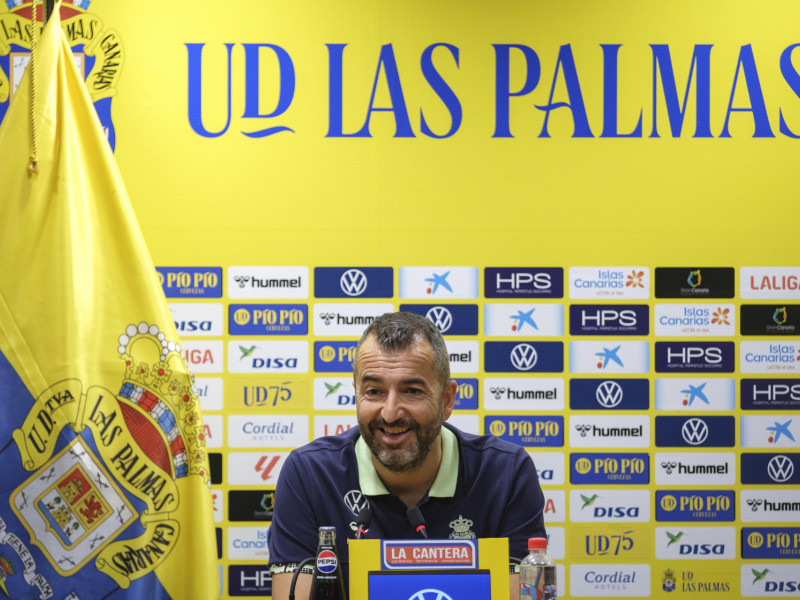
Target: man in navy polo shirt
<point>402,455</point>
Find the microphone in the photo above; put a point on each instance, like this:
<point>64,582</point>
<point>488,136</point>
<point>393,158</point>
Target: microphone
<point>417,521</point>
<point>362,521</point>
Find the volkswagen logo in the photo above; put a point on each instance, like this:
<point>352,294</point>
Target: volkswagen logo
<point>694,431</point>
<point>441,317</point>
<point>353,282</point>
<point>523,357</point>
<point>355,501</point>
<point>608,394</point>
<point>780,468</point>
<point>430,594</point>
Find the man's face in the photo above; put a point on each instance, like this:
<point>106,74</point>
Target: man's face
<point>400,403</point>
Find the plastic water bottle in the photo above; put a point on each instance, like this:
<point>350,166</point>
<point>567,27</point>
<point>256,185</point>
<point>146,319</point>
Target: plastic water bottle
<point>537,573</point>
<point>328,583</point>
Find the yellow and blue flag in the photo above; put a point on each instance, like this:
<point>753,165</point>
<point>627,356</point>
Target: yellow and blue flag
<point>104,490</point>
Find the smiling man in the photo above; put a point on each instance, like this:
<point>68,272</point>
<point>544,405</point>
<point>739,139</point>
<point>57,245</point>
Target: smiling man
<point>402,455</point>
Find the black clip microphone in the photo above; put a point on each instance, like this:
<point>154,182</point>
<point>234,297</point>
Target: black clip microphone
<point>417,521</point>
<point>362,521</point>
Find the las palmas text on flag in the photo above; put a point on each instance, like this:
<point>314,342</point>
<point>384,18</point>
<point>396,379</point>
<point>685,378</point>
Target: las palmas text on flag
<point>105,486</point>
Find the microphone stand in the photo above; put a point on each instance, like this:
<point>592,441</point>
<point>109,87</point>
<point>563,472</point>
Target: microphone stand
<point>302,564</point>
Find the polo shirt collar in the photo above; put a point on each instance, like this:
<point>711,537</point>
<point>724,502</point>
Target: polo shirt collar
<point>444,486</point>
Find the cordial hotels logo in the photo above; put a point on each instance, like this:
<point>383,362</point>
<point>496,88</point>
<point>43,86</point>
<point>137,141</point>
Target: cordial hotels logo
<point>702,468</point>
<point>450,319</point>
<point>523,319</point>
<point>190,282</point>
<point>766,357</point>
<point>257,283</point>
<point>346,319</point>
<point>523,282</point>
<point>264,431</point>
<point>763,283</point>
<point>523,394</point>
<point>781,431</point>
<point>197,319</point>
<point>255,356</point>
<point>628,283</point>
<point>780,506</point>
<point>695,505</point>
<point>439,282</point>
<point>694,320</point>
<point>607,431</point>
<point>612,581</point>
<point>609,394</point>
<point>770,469</point>
<point>614,506</point>
<point>707,394</point>
<point>696,543</point>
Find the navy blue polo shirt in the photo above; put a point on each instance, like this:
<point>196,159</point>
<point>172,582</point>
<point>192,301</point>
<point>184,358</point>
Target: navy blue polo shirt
<point>485,487</point>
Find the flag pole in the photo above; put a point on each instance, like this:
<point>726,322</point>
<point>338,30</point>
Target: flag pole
<point>33,165</point>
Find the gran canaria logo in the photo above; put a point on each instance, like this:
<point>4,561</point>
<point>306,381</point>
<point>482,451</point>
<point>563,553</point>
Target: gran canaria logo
<point>96,48</point>
<point>123,468</point>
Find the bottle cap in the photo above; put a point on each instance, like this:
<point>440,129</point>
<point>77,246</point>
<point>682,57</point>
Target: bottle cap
<point>537,543</point>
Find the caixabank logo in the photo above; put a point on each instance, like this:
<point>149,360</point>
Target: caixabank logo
<point>523,320</point>
<point>353,282</point>
<point>774,431</point>
<point>695,505</point>
<point>609,394</point>
<point>607,468</point>
<point>97,48</point>
<point>695,282</point>
<point>701,394</point>
<point>771,543</point>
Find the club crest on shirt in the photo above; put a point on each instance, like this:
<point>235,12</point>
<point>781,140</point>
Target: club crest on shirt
<point>461,529</point>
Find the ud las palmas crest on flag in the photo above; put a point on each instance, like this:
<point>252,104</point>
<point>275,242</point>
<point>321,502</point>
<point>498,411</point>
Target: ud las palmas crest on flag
<point>104,490</point>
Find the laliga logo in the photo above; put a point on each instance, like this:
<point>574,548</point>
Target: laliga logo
<point>694,431</point>
<point>353,282</point>
<point>780,468</point>
<point>523,357</point>
<point>441,317</point>
<point>608,394</point>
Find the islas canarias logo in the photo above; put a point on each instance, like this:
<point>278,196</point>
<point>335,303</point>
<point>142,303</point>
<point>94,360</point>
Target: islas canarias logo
<point>97,51</point>
<point>111,493</point>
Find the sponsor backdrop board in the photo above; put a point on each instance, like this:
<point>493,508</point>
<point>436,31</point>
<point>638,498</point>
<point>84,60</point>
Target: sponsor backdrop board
<point>596,204</point>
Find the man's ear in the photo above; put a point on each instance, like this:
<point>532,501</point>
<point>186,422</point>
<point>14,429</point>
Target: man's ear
<point>449,399</point>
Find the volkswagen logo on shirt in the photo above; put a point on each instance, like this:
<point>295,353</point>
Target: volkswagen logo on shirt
<point>609,394</point>
<point>694,431</point>
<point>780,468</point>
<point>353,282</point>
<point>441,317</point>
<point>523,357</point>
<point>355,501</point>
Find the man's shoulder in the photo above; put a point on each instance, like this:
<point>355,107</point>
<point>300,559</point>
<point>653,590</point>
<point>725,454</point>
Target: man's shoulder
<point>484,444</point>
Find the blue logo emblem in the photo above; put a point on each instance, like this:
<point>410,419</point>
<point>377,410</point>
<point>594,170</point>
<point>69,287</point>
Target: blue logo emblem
<point>609,319</point>
<point>770,394</point>
<point>621,468</point>
<point>268,319</point>
<point>529,283</point>
<point>466,394</point>
<point>771,469</point>
<point>695,431</point>
<point>360,282</point>
<point>528,356</point>
<point>450,319</point>
<point>609,394</point>
<point>334,357</point>
<point>674,357</point>
<point>527,431</point>
<point>695,505</point>
<point>190,282</point>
